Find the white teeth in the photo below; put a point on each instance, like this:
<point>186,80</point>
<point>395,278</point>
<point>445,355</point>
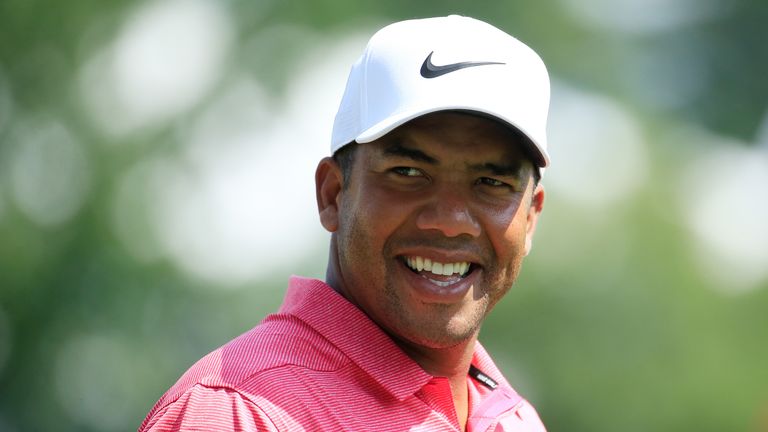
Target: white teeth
<point>447,269</point>
<point>438,268</point>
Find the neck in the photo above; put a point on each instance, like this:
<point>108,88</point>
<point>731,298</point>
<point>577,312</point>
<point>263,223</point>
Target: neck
<point>443,362</point>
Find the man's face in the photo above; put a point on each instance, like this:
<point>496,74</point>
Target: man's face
<point>433,225</point>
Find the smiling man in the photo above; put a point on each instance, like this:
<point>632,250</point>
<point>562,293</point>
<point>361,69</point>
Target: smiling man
<point>431,197</point>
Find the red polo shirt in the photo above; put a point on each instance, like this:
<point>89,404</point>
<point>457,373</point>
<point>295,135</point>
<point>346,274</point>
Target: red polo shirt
<point>320,364</point>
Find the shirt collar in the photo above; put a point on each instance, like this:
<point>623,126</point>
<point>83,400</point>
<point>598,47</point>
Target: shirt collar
<point>359,338</point>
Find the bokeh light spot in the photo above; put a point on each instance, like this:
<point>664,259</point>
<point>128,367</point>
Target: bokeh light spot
<point>723,196</point>
<point>598,154</point>
<point>50,173</point>
<point>166,58</point>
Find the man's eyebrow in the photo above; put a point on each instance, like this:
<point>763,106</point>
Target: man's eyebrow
<point>510,170</point>
<point>397,149</point>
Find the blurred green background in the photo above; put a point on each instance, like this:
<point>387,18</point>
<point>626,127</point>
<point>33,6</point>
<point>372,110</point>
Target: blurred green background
<point>156,170</point>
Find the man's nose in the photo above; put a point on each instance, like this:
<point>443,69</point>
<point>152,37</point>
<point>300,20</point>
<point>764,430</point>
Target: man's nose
<point>449,212</point>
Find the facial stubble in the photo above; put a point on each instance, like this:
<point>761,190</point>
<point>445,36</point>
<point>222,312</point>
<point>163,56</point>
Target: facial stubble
<point>431,325</point>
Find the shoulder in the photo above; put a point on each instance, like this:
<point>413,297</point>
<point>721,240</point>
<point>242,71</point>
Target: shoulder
<point>205,408</point>
<point>280,340</point>
<point>225,378</point>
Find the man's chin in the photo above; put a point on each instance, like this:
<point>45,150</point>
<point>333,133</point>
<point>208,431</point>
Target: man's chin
<point>437,337</point>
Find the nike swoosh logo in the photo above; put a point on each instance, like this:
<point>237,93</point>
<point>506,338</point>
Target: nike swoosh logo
<point>430,70</point>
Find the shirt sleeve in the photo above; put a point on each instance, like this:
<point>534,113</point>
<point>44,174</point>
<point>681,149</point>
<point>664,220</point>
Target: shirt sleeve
<point>204,408</point>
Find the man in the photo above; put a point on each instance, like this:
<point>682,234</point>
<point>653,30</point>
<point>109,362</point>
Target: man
<point>431,198</point>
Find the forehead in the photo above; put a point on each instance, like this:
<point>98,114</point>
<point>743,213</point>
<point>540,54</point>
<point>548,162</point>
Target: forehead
<point>453,137</point>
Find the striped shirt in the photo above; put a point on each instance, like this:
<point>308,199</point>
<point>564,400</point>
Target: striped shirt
<point>320,364</point>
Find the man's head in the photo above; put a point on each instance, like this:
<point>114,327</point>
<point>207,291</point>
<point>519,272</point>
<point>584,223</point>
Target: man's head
<point>434,200</point>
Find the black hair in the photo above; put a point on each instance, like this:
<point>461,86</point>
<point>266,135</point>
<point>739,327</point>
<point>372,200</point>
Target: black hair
<point>344,157</point>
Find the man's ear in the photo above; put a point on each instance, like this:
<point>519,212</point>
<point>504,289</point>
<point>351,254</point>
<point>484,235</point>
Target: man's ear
<point>328,187</point>
<point>534,211</point>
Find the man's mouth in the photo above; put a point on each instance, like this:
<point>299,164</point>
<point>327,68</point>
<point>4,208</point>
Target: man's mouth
<point>439,273</point>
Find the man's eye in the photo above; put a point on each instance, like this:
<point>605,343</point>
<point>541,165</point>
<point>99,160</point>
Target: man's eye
<point>407,171</point>
<point>490,182</point>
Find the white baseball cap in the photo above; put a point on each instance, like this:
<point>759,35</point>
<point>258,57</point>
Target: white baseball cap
<point>455,63</point>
